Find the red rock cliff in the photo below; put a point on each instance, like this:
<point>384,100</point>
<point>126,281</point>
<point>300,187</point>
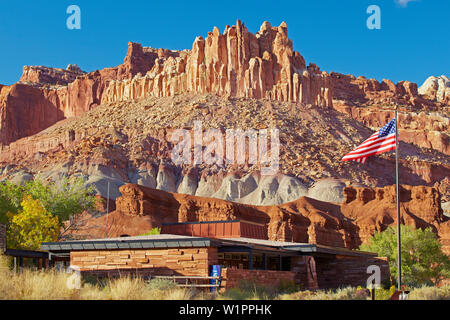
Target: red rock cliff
<point>364,212</point>
<point>53,76</point>
<point>235,63</point>
<point>47,95</point>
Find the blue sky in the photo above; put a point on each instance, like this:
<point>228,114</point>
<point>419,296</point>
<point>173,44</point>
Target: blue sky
<point>413,42</point>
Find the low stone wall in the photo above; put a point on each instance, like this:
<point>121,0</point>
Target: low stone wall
<point>232,277</point>
<point>348,271</point>
<point>2,238</point>
<point>146,262</point>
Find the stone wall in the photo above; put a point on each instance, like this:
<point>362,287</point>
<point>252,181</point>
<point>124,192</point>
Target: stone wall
<point>232,277</point>
<point>305,272</point>
<point>146,262</point>
<point>348,271</point>
<point>323,273</point>
<point>2,238</point>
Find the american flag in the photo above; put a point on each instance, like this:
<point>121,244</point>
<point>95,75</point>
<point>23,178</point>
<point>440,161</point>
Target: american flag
<point>381,141</point>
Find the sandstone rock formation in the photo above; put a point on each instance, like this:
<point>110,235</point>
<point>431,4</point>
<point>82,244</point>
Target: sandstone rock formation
<point>26,110</point>
<point>364,212</point>
<point>436,89</point>
<point>40,75</point>
<point>129,142</point>
<point>236,63</point>
<point>425,129</point>
<point>45,96</point>
<point>362,90</point>
<point>114,126</point>
<point>423,120</point>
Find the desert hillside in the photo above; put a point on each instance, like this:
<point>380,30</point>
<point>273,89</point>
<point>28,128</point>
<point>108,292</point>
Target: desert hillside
<point>115,125</point>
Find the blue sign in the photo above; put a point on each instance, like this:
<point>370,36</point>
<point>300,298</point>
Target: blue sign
<point>215,272</point>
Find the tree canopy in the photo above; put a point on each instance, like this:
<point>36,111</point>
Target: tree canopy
<point>63,198</point>
<point>30,208</point>
<point>32,226</point>
<point>423,261</point>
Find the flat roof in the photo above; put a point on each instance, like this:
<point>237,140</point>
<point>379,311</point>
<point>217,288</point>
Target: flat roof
<point>26,253</point>
<point>302,247</point>
<point>162,241</point>
<point>159,241</point>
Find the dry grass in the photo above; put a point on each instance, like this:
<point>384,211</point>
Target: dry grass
<point>32,285</point>
<point>430,293</point>
<point>52,285</point>
<point>35,285</point>
<point>348,293</point>
<point>424,293</point>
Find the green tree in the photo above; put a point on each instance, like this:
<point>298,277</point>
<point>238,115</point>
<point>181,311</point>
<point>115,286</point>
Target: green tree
<point>423,261</point>
<point>63,199</point>
<point>32,226</point>
<point>11,195</point>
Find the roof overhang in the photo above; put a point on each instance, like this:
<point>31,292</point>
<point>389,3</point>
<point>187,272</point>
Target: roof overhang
<point>124,244</point>
<point>26,253</point>
<point>320,249</point>
<point>295,248</point>
<point>174,241</point>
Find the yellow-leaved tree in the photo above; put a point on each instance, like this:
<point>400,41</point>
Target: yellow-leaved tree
<point>32,226</point>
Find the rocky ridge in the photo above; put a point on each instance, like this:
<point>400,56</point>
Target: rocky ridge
<point>364,212</point>
<point>40,75</point>
<point>235,63</point>
<point>130,142</point>
<point>436,89</point>
<point>113,125</point>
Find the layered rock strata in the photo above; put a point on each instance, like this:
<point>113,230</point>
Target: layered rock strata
<point>364,212</point>
<point>234,63</point>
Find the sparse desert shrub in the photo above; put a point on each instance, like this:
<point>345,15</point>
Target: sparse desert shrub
<point>52,285</point>
<point>250,290</point>
<point>383,293</point>
<point>160,284</point>
<point>234,294</point>
<point>348,293</point>
<point>92,292</point>
<point>430,293</point>
<point>4,263</point>
<point>180,294</point>
<point>287,286</point>
<point>93,280</point>
<point>127,288</point>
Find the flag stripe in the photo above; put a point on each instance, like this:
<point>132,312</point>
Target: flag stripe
<point>378,145</point>
<point>383,140</point>
<point>366,152</point>
<point>374,143</point>
<point>371,153</point>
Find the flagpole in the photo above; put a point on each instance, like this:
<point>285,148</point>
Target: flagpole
<point>399,255</point>
<point>107,211</point>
